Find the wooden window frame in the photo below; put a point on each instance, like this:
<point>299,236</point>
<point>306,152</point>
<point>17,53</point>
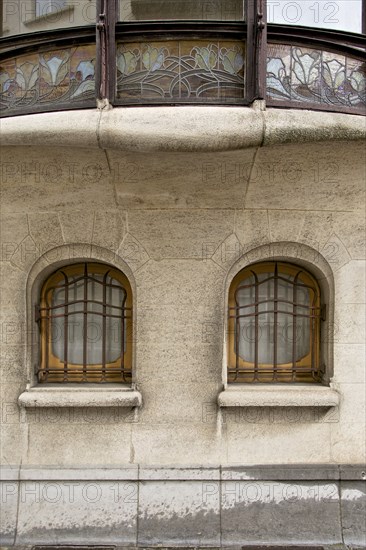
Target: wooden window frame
<point>54,370</point>
<point>241,371</point>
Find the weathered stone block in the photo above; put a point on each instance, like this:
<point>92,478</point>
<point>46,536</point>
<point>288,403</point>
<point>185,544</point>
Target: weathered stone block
<point>288,432</point>
<point>86,436</point>
<point>181,180</point>
<point>277,512</point>
<point>166,444</point>
<point>348,441</point>
<point>9,502</point>
<point>171,512</point>
<point>353,507</point>
<point>190,231</point>
<point>60,512</point>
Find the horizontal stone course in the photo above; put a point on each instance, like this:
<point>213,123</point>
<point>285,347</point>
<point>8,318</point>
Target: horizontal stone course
<point>173,506</point>
<point>165,129</point>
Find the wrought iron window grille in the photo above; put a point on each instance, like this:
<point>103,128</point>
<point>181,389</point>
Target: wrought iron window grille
<point>85,322</point>
<point>274,323</point>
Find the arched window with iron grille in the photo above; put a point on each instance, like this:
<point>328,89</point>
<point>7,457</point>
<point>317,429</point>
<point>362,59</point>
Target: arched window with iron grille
<point>274,325</point>
<point>85,320</point>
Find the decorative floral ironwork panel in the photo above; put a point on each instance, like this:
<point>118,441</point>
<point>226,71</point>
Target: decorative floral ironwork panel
<point>308,75</point>
<point>48,78</point>
<point>180,70</point>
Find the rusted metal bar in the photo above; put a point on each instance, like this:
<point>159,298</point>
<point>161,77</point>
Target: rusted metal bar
<point>66,328</point>
<point>104,330</point>
<point>48,343</point>
<point>256,321</point>
<point>275,315</point>
<point>123,343</point>
<point>85,323</point>
<point>294,328</point>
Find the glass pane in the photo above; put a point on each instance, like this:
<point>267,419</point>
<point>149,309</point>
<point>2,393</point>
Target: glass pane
<point>115,327</point>
<point>181,70</point>
<point>302,323</point>
<point>58,323</point>
<point>48,78</point>
<point>285,320</point>
<point>75,328</point>
<point>94,322</point>
<point>29,16</point>
<point>306,75</point>
<point>164,10</point>
<point>342,15</point>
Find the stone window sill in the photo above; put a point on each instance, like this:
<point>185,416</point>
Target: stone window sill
<point>278,395</point>
<point>71,396</point>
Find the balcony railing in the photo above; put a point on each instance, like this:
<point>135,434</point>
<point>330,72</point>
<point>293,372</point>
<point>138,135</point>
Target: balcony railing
<point>231,61</point>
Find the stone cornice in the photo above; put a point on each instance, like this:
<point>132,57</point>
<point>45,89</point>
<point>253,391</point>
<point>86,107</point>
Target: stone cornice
<point>179,129</point>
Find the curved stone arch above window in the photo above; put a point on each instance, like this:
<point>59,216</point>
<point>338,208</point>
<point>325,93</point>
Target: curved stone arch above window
<point>246,395</point>
<point>260,246</point>
<point>287,251</point>
<point>59,395</point>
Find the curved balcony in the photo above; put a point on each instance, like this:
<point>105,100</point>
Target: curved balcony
<point>127,60</point>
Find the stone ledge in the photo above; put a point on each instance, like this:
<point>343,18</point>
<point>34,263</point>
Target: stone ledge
<point>128,472</point>
<point>179,473</point>
<point>289,472</point>
<point>353,472</point>
<point>220,473</point>
<point>79,397</point>
<point>278,396</point>
<point>51,546</point>
<point>179,129</point>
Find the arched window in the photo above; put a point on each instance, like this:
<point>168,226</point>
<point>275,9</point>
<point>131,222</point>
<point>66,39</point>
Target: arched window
<point>85,319</point>
<point>274,325</point>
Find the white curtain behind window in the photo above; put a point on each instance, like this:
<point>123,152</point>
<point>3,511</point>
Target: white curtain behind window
<point>94,322</point>
<point>285,323</point>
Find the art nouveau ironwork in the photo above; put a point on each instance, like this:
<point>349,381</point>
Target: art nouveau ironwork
<point>197,70</point>
<point>85,320</point>
<point>139,54</point>
<point>315,76</point>
<point>48,79</point>
<point>274,325</point>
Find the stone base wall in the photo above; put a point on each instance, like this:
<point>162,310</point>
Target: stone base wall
<point>216,507</point>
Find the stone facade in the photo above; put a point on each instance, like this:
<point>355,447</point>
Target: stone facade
<point>181,199</point>
<point>30,16</point>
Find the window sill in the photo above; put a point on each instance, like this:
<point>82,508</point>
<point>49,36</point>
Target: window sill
<point>278,396</point>
<point>80,397</point>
